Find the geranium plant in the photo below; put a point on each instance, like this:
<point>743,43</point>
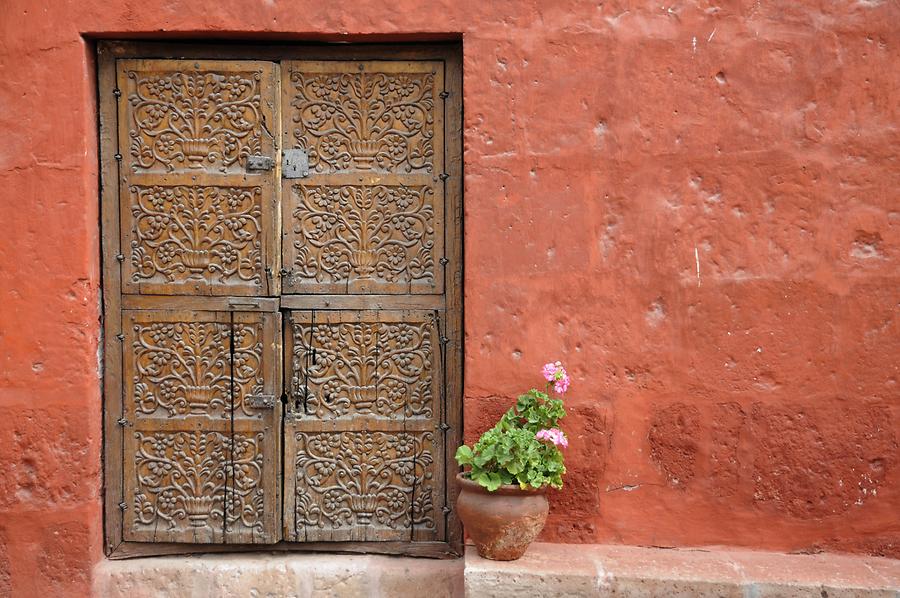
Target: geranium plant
<point>524,446</point>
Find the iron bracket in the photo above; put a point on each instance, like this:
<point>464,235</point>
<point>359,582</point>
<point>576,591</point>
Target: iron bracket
<point>260,163</point>
<point>260,401</point>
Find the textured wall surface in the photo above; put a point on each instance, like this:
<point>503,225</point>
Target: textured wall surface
<point>694,205</point>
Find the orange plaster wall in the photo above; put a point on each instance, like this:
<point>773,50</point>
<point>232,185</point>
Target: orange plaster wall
<point>612,149</point>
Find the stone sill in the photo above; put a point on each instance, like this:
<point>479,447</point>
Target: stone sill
<point>555,570</point>
<point>593,570</point>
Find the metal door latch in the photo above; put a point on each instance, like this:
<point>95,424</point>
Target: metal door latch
<point>294,164</point>
<point>260,401</point>
<point>260,163</point>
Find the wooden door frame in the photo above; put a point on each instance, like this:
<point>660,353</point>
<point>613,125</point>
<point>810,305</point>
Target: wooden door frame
<point>108,52</point>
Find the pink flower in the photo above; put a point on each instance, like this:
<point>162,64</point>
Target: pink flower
<point>554,435</point>
<point>549,370</point>
<point>562,384</point>
<point>556,373</point>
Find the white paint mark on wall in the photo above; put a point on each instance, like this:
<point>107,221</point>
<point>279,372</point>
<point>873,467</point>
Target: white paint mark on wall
<point>709,39</point>
<point>697,261</point>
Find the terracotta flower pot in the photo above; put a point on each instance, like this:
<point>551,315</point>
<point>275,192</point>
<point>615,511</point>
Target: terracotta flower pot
<point>504,522</point>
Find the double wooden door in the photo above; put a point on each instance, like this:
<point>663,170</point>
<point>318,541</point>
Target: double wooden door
<point>282,254</point>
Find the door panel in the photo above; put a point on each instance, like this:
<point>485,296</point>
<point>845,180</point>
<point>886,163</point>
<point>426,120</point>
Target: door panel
<point>196,469</point>
<point>253,491</point>
<point>369,216</point>
<point>185,116</point>
<point>363,444</point>
<point>177,396</point>
<point>194,218</point>
<point>365,116</point>
<point>364,237</point>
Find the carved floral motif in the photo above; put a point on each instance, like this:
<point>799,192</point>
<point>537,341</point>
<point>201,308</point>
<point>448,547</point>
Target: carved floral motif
<point>348,479</point>
<point>382,368</point>
<point>245,497</point>
<point>349,233</point>
<point>186,233</point>
<point>364,121</point>
<point>194,119</point>
<point>182,479</point>
<point>181,368</point>
<point>247,365</point>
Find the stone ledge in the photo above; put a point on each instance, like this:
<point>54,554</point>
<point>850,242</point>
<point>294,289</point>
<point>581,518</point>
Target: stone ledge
<point>551,570</point>
<point>561,570</point>
<point>277,575</point>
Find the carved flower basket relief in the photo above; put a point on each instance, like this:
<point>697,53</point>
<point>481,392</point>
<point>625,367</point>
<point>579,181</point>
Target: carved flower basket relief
<point>365,478</point>
<point>365,121</point>
<point>207,233</point>
<point>194,119</point>
<point>199,479</point>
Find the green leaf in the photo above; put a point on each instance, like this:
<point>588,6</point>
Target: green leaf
<point>464,455</point>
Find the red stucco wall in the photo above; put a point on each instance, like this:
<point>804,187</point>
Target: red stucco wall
<point>694,205</point>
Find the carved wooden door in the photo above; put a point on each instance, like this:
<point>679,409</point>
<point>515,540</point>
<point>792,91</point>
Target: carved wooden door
<point>364,232</point>
<point>201,419</point>
<point>231,264</point>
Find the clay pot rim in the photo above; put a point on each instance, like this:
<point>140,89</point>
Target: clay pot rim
<point>507,489</point>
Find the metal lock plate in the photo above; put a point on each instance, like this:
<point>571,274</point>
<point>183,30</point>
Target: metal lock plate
<point>260,163</point>
<point>294,164</point>
<point>260,401</point>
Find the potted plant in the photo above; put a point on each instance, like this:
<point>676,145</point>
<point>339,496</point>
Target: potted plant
<point>503,494</point>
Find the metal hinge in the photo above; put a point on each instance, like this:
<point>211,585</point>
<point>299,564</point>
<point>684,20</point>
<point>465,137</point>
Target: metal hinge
<point>123,506</point>
<point>123,422</point>
<point>294,164</point>
<point>445,426</point>
<point>260,401</point>
<point>243,302</point>
<point>444,95</point>
<point>260,163</point>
